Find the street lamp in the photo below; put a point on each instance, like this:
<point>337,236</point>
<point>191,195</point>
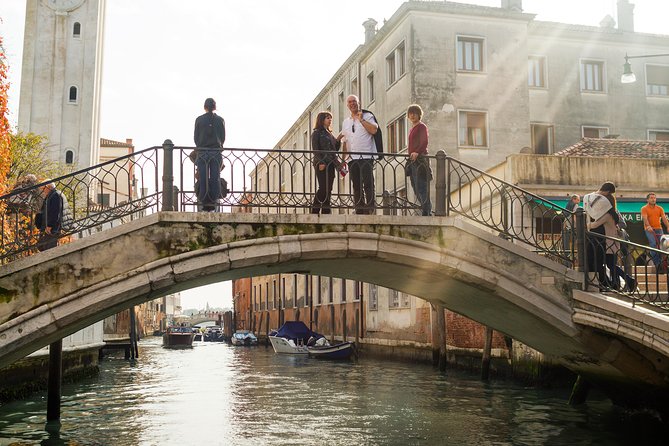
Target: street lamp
<point>628,76</point>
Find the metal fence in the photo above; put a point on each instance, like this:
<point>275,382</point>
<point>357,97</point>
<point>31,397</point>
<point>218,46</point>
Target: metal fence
<point>280,181</point>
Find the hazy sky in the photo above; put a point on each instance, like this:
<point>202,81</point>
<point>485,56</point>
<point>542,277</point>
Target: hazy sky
<point>262,60</point>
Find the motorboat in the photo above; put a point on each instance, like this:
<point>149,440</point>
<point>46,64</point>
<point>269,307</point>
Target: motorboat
<point>293,337</point>
<point>178,337</point>
<point>244,337</point>
<point>343,350</point>
<point>213,334</point>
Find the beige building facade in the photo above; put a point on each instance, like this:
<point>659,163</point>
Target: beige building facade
<point>61,77</point>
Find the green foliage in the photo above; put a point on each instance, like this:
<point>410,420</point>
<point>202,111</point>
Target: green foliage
<point>29,155</point>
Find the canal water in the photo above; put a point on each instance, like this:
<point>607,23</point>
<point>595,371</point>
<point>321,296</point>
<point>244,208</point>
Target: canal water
<point>215,394</point>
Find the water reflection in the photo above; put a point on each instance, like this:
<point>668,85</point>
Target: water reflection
<point>220,395</point>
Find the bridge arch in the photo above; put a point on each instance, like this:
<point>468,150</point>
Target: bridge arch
<point>443,260</point>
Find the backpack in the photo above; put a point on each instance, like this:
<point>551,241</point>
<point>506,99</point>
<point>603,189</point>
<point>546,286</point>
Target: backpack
<point>378,136</point>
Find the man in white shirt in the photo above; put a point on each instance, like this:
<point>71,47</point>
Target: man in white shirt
<point>359,130</point>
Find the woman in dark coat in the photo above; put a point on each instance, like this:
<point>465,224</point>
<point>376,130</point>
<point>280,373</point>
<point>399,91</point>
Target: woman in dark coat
<point>324,144</point>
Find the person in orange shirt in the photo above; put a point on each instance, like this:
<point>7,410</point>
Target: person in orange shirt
<point>653,217</point>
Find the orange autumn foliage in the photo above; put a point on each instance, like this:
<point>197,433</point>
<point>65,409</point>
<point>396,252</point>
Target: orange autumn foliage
<point>5,157</point>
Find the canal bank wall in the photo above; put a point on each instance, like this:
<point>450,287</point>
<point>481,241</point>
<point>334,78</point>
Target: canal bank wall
<point>31,373</point>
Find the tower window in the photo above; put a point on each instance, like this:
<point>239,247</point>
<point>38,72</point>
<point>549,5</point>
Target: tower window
<point>76,30</point>
<point>69,157</point>
<point>73,95</point>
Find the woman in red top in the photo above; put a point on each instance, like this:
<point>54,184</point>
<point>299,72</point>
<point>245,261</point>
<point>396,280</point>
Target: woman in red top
<point>418,165</point>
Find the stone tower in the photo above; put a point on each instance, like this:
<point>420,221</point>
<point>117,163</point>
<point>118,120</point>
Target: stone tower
<point>61,77</point>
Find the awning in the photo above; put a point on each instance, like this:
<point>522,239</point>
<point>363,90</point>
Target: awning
<point>631,210</point>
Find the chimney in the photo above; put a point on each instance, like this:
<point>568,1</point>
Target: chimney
<point>370,29</point>
<point>513,5</point>
<point>625,16</point>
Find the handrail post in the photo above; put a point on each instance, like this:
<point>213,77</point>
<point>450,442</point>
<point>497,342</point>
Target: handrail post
<point>386,203</point>
<point>581,241</point>
<point>440,186</point>
<point>168,176</point>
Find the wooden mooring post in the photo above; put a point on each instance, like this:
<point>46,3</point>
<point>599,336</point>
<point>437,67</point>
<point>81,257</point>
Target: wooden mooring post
<point>439,337</point>
<point>487,349</point>
<point>54,384</point>
<point>134,349</point>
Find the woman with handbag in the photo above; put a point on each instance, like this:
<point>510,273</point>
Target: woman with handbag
<point>324,144</point>
<point>418,165</point>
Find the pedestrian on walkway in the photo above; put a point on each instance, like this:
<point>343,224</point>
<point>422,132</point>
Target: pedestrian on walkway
<point>359,130</point>
<point>653,217</point>
<point>209,137</point>
<point>53,217</point>
<point>324,145</point>
<point>418,165</point>
<point>603,219</point>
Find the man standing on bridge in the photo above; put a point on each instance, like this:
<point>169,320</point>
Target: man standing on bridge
<point>359,130</point>
<point>209,139</point>
<point>653,216</point>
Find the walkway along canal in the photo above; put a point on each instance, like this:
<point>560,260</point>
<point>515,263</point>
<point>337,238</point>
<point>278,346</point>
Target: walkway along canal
<point>215,394</point>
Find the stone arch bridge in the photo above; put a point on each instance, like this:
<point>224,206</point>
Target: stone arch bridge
<point>444,260</point>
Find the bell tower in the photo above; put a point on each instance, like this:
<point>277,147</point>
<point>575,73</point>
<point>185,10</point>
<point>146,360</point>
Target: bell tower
<point>61,77</point>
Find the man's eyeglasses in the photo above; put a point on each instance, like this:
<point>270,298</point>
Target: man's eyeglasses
<point>353,127</point>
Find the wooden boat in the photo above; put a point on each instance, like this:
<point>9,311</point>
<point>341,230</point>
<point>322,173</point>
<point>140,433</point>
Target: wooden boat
<point>243,337</point>
<point>339,351</point>
<point>178,337</point>
<point>292,338</point>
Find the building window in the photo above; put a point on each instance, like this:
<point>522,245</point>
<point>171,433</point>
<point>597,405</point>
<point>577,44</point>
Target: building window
<point>536,72</point>
<point>397,135</point>
<point>542,138</point>
<point>354,87</point>
<point>358,290</point>
<point>343,290</point>
<point>73,95</point>
<point>370,88</point>
<point>342,106</point>
<point>76,30</point>
<point>473,128</point>
<point>470,53</point>
<point>395,65</point>
<point>373,297</point>
<point>103,199</point>
<point>658,135</point>
<point>594,132</point>
<point>592,75</point>
<point>657,80</point>
<point>69,157</point>
<point>330,290</point>
<point>393,299</point>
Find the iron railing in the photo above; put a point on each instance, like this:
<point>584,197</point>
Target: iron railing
<point>279,181</point>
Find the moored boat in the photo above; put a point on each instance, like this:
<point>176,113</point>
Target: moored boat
<point>178,337</point>
<point>343,350</point>
<point>244,337</point>
<point>293,337</point>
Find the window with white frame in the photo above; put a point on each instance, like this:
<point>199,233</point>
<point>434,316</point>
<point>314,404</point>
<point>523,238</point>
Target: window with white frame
<point>397,135</point>
<point>542,138</point>
<point>592,75</point>
<point>397,299</point>
<point>470,53</point>
<point>354,86</point>
<point>536,71</point>
<point>473,128</point>
<point>370,87</point>
<point>593,131</point>
<point>395,64</point>
<point>658,135</point>
<point>373,297</point>
<point>657,80</point>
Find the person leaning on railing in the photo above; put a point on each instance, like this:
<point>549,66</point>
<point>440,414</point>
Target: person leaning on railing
<point>418,165</point>
<point>602,219</point>
<point>653,217</point>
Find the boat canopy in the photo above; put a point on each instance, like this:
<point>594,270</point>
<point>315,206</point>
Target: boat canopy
<point>296,330</point>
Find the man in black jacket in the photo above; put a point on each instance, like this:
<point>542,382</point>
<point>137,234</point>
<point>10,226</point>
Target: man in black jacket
<point>209,139</point>
<point>52,218</point>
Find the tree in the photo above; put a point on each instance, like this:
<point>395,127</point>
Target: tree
<point>28,155</point>
<point>5,135</point>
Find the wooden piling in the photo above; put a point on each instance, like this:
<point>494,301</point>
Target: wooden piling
<point>134,350</point>
<point>485,360</point>
<point>357,326</point>
<point>579,393</point>
<point>55,382</point>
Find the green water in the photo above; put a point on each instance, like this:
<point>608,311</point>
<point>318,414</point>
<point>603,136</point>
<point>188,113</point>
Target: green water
<point>215,394</point>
